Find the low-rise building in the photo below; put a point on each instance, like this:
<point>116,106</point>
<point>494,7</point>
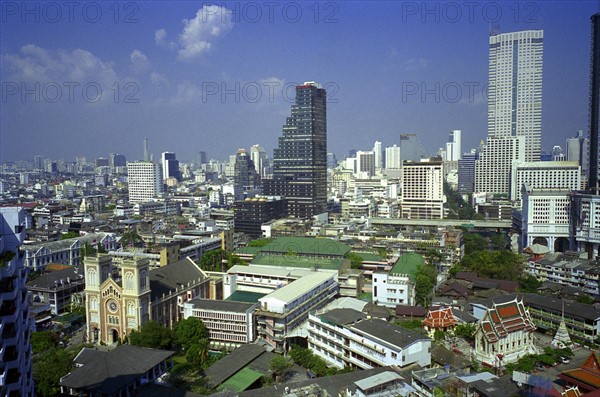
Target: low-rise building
<point>396,287</point>
<point>229,324</point>
<point>346,338</point>
<point>56,288</point>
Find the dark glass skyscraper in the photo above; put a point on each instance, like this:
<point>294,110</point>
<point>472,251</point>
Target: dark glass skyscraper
<point>300,160</point>
<point>594,101</point>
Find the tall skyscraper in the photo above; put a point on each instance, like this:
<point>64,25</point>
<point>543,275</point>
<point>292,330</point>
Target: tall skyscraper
<point>594,101</point>
<point>515,88</point>
<point>365,164</point>
<point>146,149</point>
<point>578,149</point>
<point>466,172</point>
<point>410,148</point>
<point>453,149</point>
<point>202,159</point>
<point>300,160</point>
<point>393,159</point>
<point>38,162</point>
<point>259,158</point>
<point>145,181</point>
<point>423,189</point>
<point>245,177</point>
<point>494,166</point>
<point>378,155</point>
<point>16,378</point>
<point>170,166</point>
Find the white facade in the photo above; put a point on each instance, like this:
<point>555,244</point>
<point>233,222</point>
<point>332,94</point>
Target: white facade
<point>453,146</point>
<point>545,218</point>
<point>545,175</point>
<point>16,377</point>
<point>423,190</point>
<point>145,181</point>
<point>364,343</point>
<point>391,290</point>
<point>378,155</point>
<point>259,158</point>
<point>393,160</point>
<point>494,166</point>
<point>515,63</point>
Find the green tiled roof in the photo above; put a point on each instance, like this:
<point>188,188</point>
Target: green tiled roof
<point>248,250</point>
<point>307,246</point>
<point>242,380</point>
<point>407,264</point>
<point>245,296</point>
<point>307,262</point>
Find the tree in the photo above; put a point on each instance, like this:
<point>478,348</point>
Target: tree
<point>504,264</point>
<point>586,299</point>
<point>70,234</point>
<point>474,242</point>
<point>152,335</point>
<point>212,260</point>
<point>499,241</point>
<point>466,331</point>
<point>355,260</point>
<point>190,331</point>
<point>261,242</point>
<point>529,283</point>
<point>197,354</point>
<point>425,279</point>
<point>438,335</point>
<point>43,340</point>
<point>48,368</point>
<point>280,366</point>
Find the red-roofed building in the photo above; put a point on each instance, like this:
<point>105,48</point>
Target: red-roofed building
<point>586,377</point>
<point>439,318</point>
<point>505,334</point>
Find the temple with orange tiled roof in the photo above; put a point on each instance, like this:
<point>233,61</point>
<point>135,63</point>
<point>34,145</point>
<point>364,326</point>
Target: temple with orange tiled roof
<point>439,318</point>
<point>586,377</point>
<point>505,334</point>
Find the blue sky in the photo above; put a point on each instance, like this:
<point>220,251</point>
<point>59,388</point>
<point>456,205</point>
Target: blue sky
<point>215,77</point>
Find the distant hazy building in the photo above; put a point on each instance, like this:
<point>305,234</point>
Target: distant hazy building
<point>259,158</point>
<point>245,177</point>
<point>466,172</point>
<point>202,158</point>
<point>170,166</point>
<point>578,149</point>
<point>377,150</point>
<point>393,158</point>
<point>594,106</point>
<point>453,146</point>
<point>365,164</point>
<point>251,213</point>
<point>410,148</point>
<point>515,94</point>
<point>101,162</point>
<point>145,180</point>
<point>300,160</point>
<point>423,190</point>
<point>494,166</point>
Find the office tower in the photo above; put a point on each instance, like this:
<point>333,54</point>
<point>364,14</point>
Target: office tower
<point>578,150</point>
<point>145,181</point>
<point>515,88</point>
<point>259,158</point>
<point>393,159</point>
<point>146,149</point>
<point>365,164</point>
<point>494,166</point>
<point>544,175</point>
<point>466,172</point>
<point>101,162</point>
<point>116,160</point>
<point>202,159</point>
<point>453,149</point>
<point>245,178</point>
<point>251,213</point>
<point>38,163</point>
<point>410,148</point>
<point>16,378</point>
<point>300,160</point>
<point>423,189</point>
<point>170,166</point>
<point>594,101</point>
<point>331,160</point>
<point>378,155</point>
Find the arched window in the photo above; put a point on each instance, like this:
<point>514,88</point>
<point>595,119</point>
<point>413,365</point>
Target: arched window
<point>143,280</point>
<point>94,303</point>
<point>129,281</point>
<point>131,309</point>
<point>92,277</point>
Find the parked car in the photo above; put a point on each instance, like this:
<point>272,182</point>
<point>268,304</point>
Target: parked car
<point>565,360</point>
<point>539,366</point>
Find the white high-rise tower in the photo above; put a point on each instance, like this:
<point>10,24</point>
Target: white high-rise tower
<point>515,88</point>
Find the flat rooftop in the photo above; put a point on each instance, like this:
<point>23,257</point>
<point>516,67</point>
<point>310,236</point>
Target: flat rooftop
<point>298,287</point>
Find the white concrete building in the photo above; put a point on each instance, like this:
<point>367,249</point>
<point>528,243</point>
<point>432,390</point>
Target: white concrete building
<point>494,166</point>
<point>16,376</point>
<point>145,181</point>
<point>515,88</point>
<point>346,338</point>
<point>453,146</point>
<point>423,190</point>
<point>544,175</point>
<point>397,286</point>
<point>545,218</point>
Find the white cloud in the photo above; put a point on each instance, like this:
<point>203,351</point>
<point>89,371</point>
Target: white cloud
<point>186,93</point>
<point>199,33</point>
<point>139,62</point>
<point>157,78</point>
<point>36,64</point>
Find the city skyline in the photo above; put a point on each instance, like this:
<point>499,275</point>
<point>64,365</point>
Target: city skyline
<point>181,65</point>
